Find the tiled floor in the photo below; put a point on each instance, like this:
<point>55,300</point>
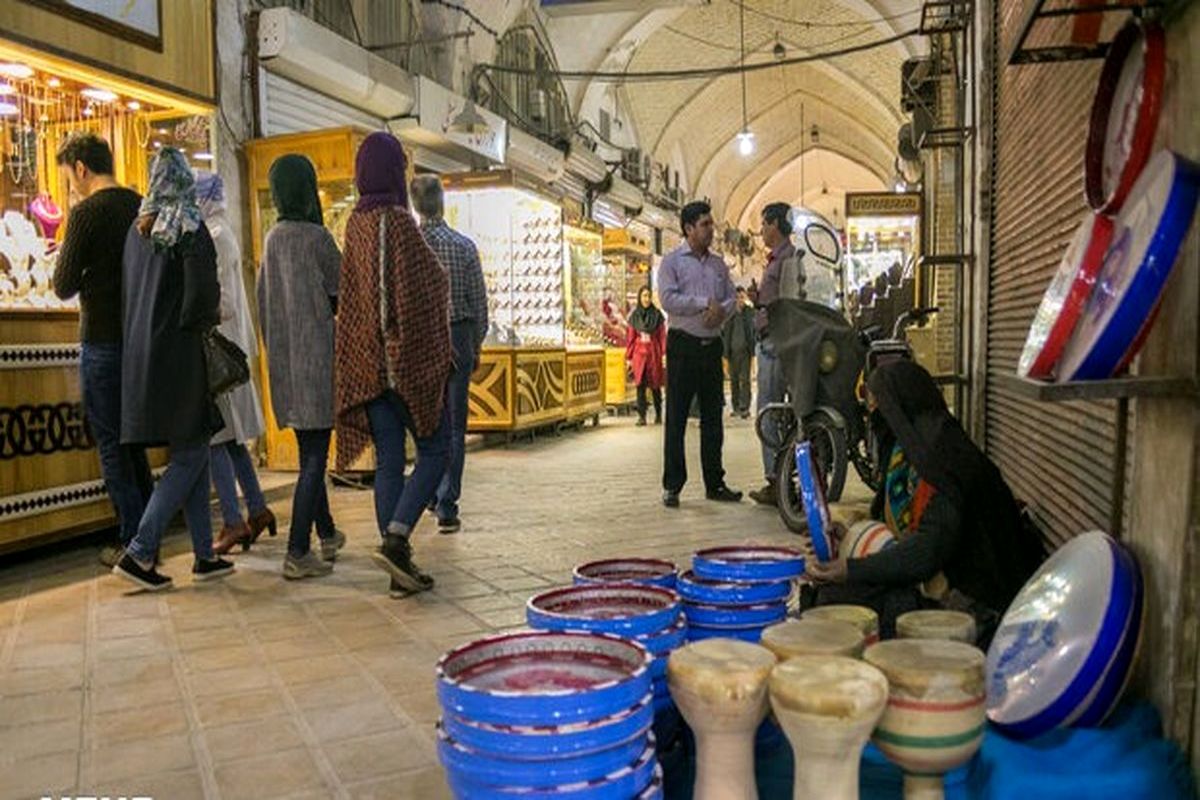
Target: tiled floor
<point>258,688</point>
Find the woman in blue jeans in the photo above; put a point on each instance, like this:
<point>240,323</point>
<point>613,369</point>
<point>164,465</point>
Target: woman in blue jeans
<point>170,297</point>
<point>391,377</point>
<point>297,298</point>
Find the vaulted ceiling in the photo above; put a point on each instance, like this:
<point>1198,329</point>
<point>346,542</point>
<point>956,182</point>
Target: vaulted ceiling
<point>692,124</point>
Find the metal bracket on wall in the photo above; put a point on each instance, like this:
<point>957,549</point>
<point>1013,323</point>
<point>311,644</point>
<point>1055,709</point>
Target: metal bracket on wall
<point>1020,54</point>
<point>1119,389</point>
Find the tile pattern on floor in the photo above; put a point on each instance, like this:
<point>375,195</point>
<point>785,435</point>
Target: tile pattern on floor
<point>257,687</point>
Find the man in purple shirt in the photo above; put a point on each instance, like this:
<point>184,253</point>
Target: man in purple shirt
<point>697,294</point>
<point>776,233</point>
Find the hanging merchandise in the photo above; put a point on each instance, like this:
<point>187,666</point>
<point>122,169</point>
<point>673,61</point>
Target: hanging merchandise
<point>1065,299</point>
<point>1147,236</point>
<point>1125,114</point>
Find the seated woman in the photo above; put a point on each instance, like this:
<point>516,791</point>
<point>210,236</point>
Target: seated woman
<point>961,543</point>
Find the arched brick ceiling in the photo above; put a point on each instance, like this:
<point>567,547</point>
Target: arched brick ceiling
<point>853,99</point>
<point>827,175</point>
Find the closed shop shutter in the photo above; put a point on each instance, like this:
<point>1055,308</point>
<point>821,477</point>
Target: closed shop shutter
<point>289,107</point>
<point>1058,457</point>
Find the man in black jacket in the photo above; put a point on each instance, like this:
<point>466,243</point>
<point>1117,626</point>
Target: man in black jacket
<point>89,265</point>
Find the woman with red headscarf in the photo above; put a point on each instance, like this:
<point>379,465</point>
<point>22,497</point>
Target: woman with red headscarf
<point>392,354</point>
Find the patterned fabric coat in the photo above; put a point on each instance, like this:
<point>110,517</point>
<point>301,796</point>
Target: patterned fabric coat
<point>393,326</point>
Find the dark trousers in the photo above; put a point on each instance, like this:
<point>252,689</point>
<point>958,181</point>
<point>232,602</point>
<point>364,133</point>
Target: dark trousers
<point>310,501</point>
<point>124,467</point>
<point>739,381</point>
<point>462,335</point>
<point>643,389</point>
<point>694,370</point>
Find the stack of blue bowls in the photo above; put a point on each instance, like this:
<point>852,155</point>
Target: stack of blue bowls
<point>650,615</point>
<point>647,571</point>
<point>736,592</point>
<point>547,714</point>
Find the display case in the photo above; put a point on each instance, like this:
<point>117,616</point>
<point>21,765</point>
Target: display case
<point>51,485</point>
<point>332,154</point>
<point>627,262</point>
<point>519,235</point>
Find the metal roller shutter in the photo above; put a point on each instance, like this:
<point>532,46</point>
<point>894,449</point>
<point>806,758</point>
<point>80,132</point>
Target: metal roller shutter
<point>288,107</point>
<point>1058,457</point>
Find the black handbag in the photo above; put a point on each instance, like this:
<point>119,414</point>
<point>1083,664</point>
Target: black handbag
<point>225,363</point>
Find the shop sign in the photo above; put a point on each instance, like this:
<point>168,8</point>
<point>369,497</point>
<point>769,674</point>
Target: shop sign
<point>139,21</point>
<point>883,204</point>
<point>440,107</point>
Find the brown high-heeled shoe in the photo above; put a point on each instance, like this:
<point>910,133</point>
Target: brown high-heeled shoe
<point>230,536</point>
<point>262,520</point>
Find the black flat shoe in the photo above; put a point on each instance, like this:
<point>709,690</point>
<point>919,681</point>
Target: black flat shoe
<point>724,495</point>
<point>671,499</point>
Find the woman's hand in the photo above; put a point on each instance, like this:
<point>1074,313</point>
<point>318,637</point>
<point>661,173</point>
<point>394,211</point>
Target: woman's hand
<point>826,572</point>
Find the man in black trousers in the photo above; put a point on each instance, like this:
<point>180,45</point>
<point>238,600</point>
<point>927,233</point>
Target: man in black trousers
<point>697,294</point>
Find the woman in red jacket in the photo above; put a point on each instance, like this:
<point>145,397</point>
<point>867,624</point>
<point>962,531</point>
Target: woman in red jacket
<point>645,350</point>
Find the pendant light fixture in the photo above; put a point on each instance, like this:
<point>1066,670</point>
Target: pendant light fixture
<point>745,138</point>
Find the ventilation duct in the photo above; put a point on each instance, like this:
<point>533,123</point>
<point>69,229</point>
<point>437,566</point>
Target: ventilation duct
<point>295,47</point>
<point>583,162</point>
<point>535,158</point>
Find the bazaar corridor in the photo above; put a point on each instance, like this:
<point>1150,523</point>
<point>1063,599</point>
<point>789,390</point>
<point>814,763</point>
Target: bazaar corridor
<point>259,687</point>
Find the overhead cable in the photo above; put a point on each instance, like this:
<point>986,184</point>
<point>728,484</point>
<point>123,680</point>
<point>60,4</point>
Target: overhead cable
<point>649,76</point>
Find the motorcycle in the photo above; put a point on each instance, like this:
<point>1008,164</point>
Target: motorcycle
<point>825,406</point>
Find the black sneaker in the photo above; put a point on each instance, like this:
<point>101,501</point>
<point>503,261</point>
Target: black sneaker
<point>451,525</point>
<point>211,570</point>
<point>670,499</point>
<point>149,580</point>
<point>110,555</point>
<point>395,557</point>
<point>723,494</point>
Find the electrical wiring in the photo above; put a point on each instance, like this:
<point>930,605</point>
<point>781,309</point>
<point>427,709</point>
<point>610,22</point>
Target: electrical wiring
<point>732,49</point>
<point>651,76</point>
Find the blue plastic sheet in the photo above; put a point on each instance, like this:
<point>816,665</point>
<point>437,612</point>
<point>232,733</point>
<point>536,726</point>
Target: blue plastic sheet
<point>1127,759</point>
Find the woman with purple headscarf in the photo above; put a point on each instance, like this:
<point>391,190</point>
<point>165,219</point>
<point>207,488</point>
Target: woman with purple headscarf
<point>240,409</point>
<point>393,354</point>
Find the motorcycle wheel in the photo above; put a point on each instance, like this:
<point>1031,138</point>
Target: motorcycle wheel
<point>829,452</point>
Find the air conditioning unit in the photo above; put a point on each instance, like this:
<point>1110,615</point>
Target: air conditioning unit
<point>582,161</point>
<point>534,157</point>
<point>633,167</point>
<point>918,83</point>
<point>624,194</point>
<point>295,47</point>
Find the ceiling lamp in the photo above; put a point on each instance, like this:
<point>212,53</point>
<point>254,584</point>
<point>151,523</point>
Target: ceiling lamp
<point>745,143</point>
<point>134,105</point>
<point>468,121</point>
<point>98,95</point>
<point>778,50</point>
<point>18,72</point>
<point>745,139</point>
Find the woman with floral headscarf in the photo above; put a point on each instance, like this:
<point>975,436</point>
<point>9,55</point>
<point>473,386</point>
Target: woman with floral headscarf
<point>170,299</point>
<point>297,298</point>
<point>240,409</point>
<point>393,353</point>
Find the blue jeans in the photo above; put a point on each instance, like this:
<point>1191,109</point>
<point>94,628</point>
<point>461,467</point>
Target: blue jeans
<point>770,390</point>
<point>457,391</point>
<point>310,503</point>
<point>398,500</point>
<point>231,466</point>
<point>184,485</point>
<point>124,467</point>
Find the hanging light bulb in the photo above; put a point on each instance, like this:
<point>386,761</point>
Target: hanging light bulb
<point>745,141</point>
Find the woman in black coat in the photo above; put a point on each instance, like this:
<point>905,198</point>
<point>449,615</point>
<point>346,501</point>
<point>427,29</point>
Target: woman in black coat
<point>961,542</point>
<point>170,300</point>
